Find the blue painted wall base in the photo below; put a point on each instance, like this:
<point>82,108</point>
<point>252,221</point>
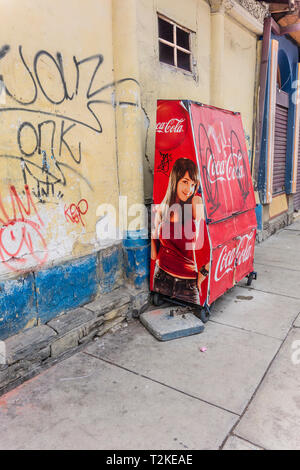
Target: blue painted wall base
<point>137,258</point>
<point>66,286</point>
<point>259,216</point>
<point>37,297</point>
<point>17,305</point>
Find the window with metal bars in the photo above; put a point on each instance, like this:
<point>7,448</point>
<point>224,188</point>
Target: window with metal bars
<point>174,44</point>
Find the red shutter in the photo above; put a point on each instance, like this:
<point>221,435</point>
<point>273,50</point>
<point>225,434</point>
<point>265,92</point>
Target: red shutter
<point>280,146</point>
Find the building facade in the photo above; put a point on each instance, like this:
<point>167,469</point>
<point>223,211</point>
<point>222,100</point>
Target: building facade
<point>78,112</point>
<point>278,177</point>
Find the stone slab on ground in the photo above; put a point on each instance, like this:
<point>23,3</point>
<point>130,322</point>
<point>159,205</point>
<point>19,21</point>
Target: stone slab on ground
<point>71,320</point>
<point>226,375</point>
<point>28,343</point>
<point>272,420</point>
<point>28,352</point>
<point>85,403</point>
<point>256,311</point>
<point>106,303</point>
<point>275,280</point>
<point>166,324</point>
<point>235,443</point>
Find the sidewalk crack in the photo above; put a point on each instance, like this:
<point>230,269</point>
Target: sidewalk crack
<point>277,267</point>
<point>256,390</point>
<point>248,331</point>
<point>163,384</point>
<point>242,439</point>
<point>268,292</point>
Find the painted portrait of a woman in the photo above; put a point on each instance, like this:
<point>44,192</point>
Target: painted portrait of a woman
<point>178,237</point>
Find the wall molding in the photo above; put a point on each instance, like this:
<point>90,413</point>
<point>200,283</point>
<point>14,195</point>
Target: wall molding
<point>249,13</point>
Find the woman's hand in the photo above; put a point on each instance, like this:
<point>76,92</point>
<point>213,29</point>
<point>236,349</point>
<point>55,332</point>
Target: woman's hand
<point>154,250</point>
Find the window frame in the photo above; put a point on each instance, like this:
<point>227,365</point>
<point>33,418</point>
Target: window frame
<point>174,44</point>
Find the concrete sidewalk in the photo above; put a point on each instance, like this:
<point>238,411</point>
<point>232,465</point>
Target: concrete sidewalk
<point>128,391</point>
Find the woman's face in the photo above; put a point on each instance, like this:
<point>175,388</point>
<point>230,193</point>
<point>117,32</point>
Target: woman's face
<point>185,188</point>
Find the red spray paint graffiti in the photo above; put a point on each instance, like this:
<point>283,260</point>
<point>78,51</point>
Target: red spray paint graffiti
<point>21,241</point>
<point>74,212</point>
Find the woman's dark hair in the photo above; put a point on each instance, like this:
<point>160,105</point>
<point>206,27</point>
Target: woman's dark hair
<point>181,166</point>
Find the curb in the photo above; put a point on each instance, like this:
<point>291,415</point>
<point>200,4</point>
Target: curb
<point>28,353</point>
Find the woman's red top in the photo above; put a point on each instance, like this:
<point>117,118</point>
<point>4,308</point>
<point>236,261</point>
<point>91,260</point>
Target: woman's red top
<point>176,253</point>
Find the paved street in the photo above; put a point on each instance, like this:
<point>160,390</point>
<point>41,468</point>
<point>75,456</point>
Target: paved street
<point>126,390</point>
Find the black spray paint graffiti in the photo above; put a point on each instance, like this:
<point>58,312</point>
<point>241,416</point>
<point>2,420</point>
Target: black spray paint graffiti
<point>52,138</point>
<point>164,166</point>
<point>215,171</point>
<point>241,168</point>
<point>4,50</point>
<point>212,190</point>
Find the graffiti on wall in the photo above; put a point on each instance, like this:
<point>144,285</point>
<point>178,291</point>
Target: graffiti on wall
<point>216,168</point>
<point>74,212</point>
<point>21,239</point>
<point>53,113</point>
<point>48,146</point>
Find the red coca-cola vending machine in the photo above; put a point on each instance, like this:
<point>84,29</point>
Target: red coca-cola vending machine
<point>203,216</point>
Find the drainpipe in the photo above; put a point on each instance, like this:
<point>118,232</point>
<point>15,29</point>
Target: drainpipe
<point>128,101</point>
<point>217,53</point>
<point>129,142</point>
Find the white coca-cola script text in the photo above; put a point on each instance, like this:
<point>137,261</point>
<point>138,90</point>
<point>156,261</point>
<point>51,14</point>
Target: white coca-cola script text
<point>229,258</point>
<point>173,126</point>
<point>228,169</point>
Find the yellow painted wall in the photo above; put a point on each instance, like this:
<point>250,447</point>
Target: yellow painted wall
<point>76,31</point>
<point>85,77</point>
<point>278,205</point>
<point>239,73</point>
<point>128,109</point>
<point>160,81</point>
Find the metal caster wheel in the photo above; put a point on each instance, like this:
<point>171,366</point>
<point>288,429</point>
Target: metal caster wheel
<point>204,315</point>
<point>250,277</point>
<point>157,300</point>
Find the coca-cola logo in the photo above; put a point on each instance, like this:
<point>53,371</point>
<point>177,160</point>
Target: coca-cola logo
<point>224,166</point>
<point>171,125</point>
<point>226,170</point>
<point>230,258</point>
